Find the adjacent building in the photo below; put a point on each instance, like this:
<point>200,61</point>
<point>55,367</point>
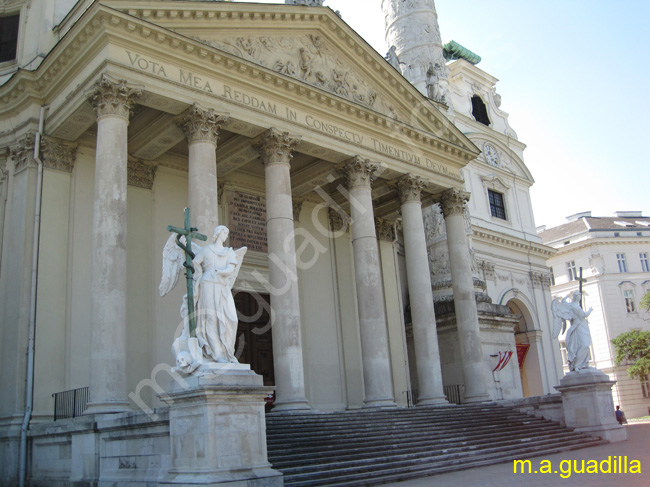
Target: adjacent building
<point>612,254</point>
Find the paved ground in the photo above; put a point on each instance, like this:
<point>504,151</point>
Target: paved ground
<point>637,447</point>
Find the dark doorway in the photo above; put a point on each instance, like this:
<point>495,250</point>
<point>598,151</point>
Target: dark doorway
<point>254,345</point>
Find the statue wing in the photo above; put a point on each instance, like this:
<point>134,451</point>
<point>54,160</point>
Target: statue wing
<point>561,313</point>
<point>239,255</point>
<point>172,264</point>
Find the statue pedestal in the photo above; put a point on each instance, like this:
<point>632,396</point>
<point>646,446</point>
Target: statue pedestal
<point>218,430</point>
<point>588,404</point>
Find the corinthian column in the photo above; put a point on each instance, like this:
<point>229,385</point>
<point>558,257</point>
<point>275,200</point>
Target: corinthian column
<point>113,101</point>
<point>276,152</point>
<point>425,335</point>
<point>375,355</point>
<point>469,334</point>
<point>201,128</point>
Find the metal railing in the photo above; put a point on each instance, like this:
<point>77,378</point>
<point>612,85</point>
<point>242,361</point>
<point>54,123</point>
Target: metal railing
<point>453,393</point>
<point>70,404</point>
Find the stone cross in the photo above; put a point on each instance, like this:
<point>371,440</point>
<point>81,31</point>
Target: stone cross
<point>188,232</point>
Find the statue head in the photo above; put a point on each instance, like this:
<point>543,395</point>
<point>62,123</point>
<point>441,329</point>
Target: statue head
<point>220,232</point>
<point>576,297</point>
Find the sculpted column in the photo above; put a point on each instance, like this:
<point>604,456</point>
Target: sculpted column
<point>276,153</point>
<point>201,128</point>
<point>375,355</point>
<point>113,101</point>
<point>425,335</point>
<point>469,335</point>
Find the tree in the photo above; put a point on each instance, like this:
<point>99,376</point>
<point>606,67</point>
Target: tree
<point>645,302</point>
<point>633,347</point>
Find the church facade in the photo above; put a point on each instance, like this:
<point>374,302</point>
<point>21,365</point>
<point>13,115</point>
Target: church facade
<point>348,185</point>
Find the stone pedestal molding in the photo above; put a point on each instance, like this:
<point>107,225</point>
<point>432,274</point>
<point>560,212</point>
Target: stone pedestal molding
<point>217,432</point>
<point>453,204</point>
<point>375,354</point>
<point>425,335</point>
<point>201,128</point>
<point>276,149</point>
<point>113,101</point>
<point>588,404</point>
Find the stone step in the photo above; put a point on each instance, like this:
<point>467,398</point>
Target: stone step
<point>369,447</point>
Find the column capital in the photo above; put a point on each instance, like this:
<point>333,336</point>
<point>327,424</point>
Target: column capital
<point>113,97</point>
<point>57,155</point>
<point>386,230</point>
<point>276,146</point>
<point>453,202</point>
<point>360,172</point>
<point>410,188</point>
<point>22,153</point>
<point>339,220</point>
<point>202,125</point>
<point>140,174</point>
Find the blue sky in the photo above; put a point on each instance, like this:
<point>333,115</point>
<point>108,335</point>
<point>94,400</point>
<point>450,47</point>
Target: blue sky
<point>573,77</point>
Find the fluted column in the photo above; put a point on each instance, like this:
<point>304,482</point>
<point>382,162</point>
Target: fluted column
<point>276,153</point>
<point>425,335</point>
<point>469,334</point>
<point>375,355</point>
<point>113,101</point>
<point>201,128</point>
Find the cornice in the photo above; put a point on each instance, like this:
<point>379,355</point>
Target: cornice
<point>610,241</point>
<point>512,242</point>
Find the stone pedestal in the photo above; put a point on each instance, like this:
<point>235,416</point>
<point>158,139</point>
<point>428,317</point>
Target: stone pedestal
<point>588,404</point>
<point>217,431</point>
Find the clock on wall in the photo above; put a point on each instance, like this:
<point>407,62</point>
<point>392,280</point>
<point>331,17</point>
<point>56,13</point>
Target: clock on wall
<point>491,155</point>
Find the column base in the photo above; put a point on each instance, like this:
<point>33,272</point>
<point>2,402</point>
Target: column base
<point>432,401</point>
<point>107,407</point>
<point>588,404</point>
<point>217,431</point>
<point>388,402</point>
<point>298,406</point>
<point>483,397</point>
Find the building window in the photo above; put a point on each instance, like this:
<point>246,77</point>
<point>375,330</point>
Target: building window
<point>629,300</point>
<point>622,264</point>
<point>8,37</point>
<point>497,207</point>
<point>479,110</point>
<point>564,354</point>
<point>645,386</point>
<point>571,270</point>
<point>645,266</point>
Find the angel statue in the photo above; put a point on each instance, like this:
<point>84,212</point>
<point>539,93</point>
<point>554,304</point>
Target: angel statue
<point>215,270</point>
<point>578,338</point>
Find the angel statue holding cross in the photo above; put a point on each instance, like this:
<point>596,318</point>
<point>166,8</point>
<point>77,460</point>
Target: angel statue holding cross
<point>209,317</point>
<point>578,338</point>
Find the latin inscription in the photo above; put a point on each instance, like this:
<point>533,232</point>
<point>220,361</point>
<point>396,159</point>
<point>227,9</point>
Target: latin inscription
<point>232,94</point>
<point>247,221</point>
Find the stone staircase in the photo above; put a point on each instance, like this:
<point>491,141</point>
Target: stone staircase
<point>373,447</point>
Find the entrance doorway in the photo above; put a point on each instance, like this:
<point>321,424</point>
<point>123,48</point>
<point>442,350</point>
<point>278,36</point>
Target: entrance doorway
<point>254,344</point>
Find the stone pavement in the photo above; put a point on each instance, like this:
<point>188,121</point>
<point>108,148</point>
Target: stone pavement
<point>637,447</point>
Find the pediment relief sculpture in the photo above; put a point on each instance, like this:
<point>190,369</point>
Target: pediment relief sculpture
<point>311,60</point>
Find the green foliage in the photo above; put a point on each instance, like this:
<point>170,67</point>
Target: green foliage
<point>633,347</point>
<point>645,302</point>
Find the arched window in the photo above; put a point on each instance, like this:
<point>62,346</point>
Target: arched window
<point>479,110</point>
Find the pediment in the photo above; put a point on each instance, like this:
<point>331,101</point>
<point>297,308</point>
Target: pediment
<point>311,45</point>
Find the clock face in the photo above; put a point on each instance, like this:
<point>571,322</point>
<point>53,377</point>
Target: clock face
<point>491,155</point>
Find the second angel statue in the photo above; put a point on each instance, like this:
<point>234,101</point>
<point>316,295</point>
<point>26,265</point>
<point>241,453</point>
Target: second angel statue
<point>215,270</point>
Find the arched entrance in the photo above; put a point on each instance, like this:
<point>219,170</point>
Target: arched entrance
<point>254,344</point>
<point>527,340</point>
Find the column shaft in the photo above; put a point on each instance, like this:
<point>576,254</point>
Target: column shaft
<point>375,355</point>
<point>469,334</point>
<point>113,101</point>
<point>202,130</point>
<point>276,151</point>
<point>425,335</point>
